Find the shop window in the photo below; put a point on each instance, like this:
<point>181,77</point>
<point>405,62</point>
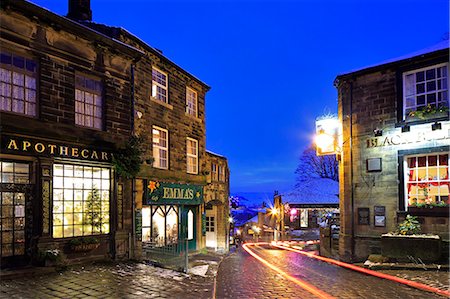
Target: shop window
<point>191,102</point>
<point>81,198</point>
<point>192,155</point>
<point>425,87</point>
<point>303,218</point>
<point>17,84</point>
<point>190,225</point>
<point>160,225</point>
<point>210,224</point>
<point>160,148</point>
<point>88,102</point>
<point>159,85</point>
<point>427,179</point>
<point>12,209</point>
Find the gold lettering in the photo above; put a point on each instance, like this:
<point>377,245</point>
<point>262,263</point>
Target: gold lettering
<point>26,145</point>
<point>63,150</point>
<point>386,140</point>
<point>168,193</point>
<point>394,140</point>
<point>12,144</point>
<point>372,142</point>
<point>52,148</point>
<point>104,156</point>
<point>94,155</point>
<point>39,147</point>
<point>85,153</point>
<point>191,194</point>
<point>74,152</point>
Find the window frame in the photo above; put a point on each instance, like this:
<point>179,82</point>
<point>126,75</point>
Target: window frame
<point>24,72</point>
<point>214,173</point>
<point>424,68</point>
<point>155,85</point>
<point>157,146</point>
<point>189,155</point>
<point>94,93</point>
<point>189,111</point>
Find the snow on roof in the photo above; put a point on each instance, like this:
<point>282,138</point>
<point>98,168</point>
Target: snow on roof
<point>314,191</point>
<point>437,47</point>
<point>213,153</point>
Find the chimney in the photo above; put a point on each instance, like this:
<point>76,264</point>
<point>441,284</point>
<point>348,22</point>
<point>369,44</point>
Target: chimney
<point>80,10</point>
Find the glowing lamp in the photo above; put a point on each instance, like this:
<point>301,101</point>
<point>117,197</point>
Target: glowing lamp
<point>327,133</point>
<point>293,212</point>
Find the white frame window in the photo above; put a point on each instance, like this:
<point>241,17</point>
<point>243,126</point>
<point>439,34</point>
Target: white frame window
<point>425,86</point>
<point>426,179</point>
<point>192,155</point>
<point>18,84</point>
<point>191,102</point>
<point>221,173</point>
<point>210,224</point>
<point>160,139</point>
<point>88,102</point>
<point>214,176</point>
<point>160,84</point>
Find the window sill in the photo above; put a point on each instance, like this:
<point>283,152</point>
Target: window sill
<point>410,121</point>
<point>161,103</point>
<point>428,211</point>
<point>193,117</point>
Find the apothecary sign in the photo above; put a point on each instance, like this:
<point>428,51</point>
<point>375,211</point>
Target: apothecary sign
<point>36,147</point>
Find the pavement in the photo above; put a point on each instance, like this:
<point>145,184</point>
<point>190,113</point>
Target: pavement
<point>233,275</point>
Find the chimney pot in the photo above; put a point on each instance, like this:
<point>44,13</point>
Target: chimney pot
<point>80,10</point>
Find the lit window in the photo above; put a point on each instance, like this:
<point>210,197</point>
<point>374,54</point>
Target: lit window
<point>88,102</point>
<point>80,200</point>
<point>427,179</point>
<point>214,172</point>
<point>159,85</point>
<point>190,225</point>
<point>160,148</point>
<point>222,173</point>
<point>192,155</point>
<point>191,102</point>
<point>17,84</point>
<point>160,225</point>
<point>427,86</point>
<point>303,218</point>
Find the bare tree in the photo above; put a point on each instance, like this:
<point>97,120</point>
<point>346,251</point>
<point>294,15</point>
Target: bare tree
<point>313,166</point>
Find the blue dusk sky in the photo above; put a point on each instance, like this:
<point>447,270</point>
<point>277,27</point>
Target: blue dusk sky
<point>271,64</point>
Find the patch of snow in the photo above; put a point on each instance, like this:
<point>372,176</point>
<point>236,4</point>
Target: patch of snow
<point>199,270</point>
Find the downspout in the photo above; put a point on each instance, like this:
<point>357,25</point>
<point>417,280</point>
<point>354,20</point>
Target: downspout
<point>132,236</point>
<point>352,198</point>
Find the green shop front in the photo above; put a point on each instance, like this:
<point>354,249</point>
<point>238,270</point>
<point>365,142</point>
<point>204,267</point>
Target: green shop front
<point>171,216</point>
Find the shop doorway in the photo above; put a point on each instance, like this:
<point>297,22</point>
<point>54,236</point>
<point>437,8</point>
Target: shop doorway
<point>211,230</point>
<point>189,226</point>
<point>15,194</point>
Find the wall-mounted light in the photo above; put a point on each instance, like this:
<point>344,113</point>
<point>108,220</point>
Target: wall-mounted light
<point>139,114</point>
<point>436,126</point>
<point>378,132</point>
<point>405,128</point>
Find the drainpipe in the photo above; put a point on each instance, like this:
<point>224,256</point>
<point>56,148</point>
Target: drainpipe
<point>132,237</point>
<point>351,173</point>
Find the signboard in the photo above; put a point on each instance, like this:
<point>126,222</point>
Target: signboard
<point>407,138</point>
<point>327,132</point>
<point>380,215</point>
<point>33,147</point>
<point>363,216</point>
<point>169,193</point>
<point>138,225</point>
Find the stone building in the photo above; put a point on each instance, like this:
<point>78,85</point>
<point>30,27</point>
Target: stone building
<point>169,116</point>
<point>217,209</point>
<point>65,109</point>
<point>394,158</point>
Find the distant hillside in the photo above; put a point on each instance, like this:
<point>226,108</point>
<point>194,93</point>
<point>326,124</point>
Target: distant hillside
<point>254,199</point>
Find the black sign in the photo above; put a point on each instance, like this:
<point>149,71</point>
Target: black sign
<point>363,216</point>
<point>379,215</point>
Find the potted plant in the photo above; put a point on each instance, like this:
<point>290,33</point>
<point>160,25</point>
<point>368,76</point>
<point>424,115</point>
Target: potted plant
<point>407,242</point>
<point>50,257</point>
<point>84,244</point>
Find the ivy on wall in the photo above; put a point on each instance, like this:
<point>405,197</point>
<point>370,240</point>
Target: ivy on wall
<point>127,161</point>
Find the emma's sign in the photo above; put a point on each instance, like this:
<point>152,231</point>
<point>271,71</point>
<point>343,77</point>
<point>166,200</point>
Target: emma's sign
<point>400,139</point>
<point>37,147</point>
<point>161,192</point>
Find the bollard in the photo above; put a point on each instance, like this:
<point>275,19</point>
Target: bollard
<point>186,257</point>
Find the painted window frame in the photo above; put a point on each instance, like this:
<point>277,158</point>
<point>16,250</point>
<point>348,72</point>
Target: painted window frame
<point>441,180</point>
<point>405,96</point>
<point>192,168</point>
<point>210,224</point>
<point>221,173</point>
<point>97,116</point>
<point>191,102</point>
<point>214,175</point>
<point>9,84</point>
<point>157,146</point>
<point>155,94</point>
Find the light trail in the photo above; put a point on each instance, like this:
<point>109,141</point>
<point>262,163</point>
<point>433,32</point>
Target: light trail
<point>304,285</point>
<point>410,283</point>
